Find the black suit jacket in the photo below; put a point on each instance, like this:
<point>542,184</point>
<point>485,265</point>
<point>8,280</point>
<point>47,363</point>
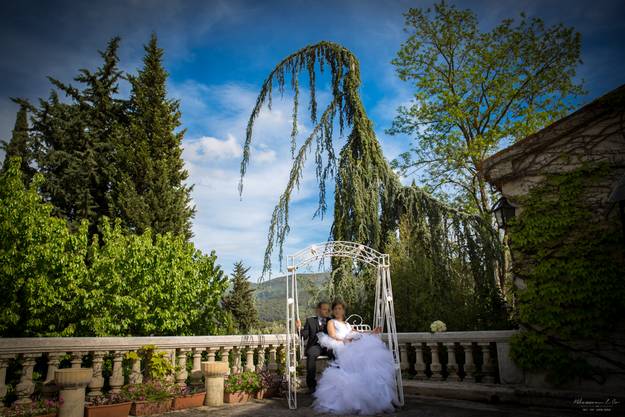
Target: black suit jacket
<point>311,328</point>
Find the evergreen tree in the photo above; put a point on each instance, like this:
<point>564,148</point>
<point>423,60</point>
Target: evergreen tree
<point>20,145</point>
<point>150,190</point>
<point>75,141</point>
<point>240,300</point>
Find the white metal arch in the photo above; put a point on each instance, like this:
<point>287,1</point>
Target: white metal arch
<point>384,311</point>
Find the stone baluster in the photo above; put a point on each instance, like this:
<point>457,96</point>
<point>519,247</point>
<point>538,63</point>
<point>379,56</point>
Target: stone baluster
<point>272,366</point>
<point>117,377</point>
<point>4,363</point>
<point>135,376</point>
<point>403,356</point>
<point>172,356</point>
<point>237,366</point>
<point>211,351</point>
<point>469,363</point>
<point>435,366</point>
<point>249,359</point>
<point>181,374</point>
<point>77,359</point>
<point>196,371</point>
<point>97,380</point>
<point>260,366</point>
<point>225,355</point>
<point>419,365</point>
<point>488,369</point>
<point>49,387</point>
<point>26,385</point>
<point>452,363</point>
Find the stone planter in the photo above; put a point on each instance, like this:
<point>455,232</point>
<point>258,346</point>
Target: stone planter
<point>188,401</point>
<point>72,383</point>
<point>236,397</point>
<point>147,408</point>
<point>108,410</point>
<point>214,373</point>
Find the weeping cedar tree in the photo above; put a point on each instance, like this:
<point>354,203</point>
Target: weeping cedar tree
<point>240,300</point>
<point>369,200</point>
<point>474,90</point>
<point>106,156</point>
<point>20,145</point>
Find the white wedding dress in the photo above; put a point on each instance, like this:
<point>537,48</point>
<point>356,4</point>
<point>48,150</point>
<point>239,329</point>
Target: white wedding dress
<point>361,380</point>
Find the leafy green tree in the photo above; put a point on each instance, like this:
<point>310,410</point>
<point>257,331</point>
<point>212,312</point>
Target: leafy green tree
<point>75,141</point>
<point>475,90</point>
<point>144,286</point>
<point>149,190</point>
<point>42,265</point>
<point>56,282</point>
<point>240,300</point>
<point>20,145</point>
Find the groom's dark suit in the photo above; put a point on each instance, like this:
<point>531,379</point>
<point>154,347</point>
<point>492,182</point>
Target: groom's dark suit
<point>313,348</point>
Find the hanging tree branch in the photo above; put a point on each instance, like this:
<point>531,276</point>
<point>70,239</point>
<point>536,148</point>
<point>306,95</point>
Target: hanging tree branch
<point>369,199</point>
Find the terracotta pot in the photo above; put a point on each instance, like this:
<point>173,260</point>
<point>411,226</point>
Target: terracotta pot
<point>146,408</point>
<point>108,410</point>
<point>236,397</point>
<point>189,401</point>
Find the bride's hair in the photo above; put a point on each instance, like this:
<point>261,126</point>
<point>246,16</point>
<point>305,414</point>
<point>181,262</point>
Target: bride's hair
<point>338,303</point>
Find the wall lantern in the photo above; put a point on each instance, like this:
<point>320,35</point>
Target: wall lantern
<point>503,211</point>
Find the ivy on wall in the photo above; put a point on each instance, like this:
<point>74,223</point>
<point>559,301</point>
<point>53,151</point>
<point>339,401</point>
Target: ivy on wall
<point>572,261</point>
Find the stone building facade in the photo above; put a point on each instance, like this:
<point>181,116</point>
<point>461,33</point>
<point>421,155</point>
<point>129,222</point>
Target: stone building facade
<point>592,135</point>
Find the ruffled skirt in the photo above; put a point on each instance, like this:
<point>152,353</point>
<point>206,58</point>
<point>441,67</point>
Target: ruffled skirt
<point>361,380</point>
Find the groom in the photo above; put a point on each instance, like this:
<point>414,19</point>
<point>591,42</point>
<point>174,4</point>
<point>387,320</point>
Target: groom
<point>313,348</point>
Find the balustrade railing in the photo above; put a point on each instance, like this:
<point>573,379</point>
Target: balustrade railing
<point>471,357</point>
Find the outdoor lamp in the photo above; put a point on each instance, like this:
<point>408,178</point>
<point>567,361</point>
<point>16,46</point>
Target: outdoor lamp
<point>503,211</point>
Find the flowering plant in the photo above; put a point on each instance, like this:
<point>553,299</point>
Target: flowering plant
<point>108,399</point>
<point>268,379</point>
<point>438,326</point>
<point>36,408</point>
<point>247,381</point>
<point>148,391</point>
<point>187,390</point>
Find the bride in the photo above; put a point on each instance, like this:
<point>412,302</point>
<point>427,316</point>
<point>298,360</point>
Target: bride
<point>361,380</point>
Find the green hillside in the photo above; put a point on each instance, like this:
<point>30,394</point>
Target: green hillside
<point>271,295</point>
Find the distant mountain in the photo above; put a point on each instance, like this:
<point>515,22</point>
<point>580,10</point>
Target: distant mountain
<point>271,295</point>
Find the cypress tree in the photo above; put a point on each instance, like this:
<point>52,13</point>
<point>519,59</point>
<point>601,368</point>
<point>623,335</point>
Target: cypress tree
<point>240,300</point>
<point>150,191</point>
<point>75,141</point>
<point>20,145</point>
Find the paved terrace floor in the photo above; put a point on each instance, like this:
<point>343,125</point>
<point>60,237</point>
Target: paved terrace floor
<point>416,406</point>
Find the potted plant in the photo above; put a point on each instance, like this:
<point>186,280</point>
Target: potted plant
<point>188,397</point>
<point>38,408</point>
<point>151,397</point>
<point>269,383</point>
<point>238,388</point>
<point>113,405</point>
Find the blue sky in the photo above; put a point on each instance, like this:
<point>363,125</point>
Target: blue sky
<point>219,52</point>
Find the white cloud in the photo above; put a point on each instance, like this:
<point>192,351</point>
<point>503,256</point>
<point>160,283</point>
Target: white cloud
<point>207,148</point>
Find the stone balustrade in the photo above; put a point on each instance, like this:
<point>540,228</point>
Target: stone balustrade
<point>246,352</point>
<point>480,357</point>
